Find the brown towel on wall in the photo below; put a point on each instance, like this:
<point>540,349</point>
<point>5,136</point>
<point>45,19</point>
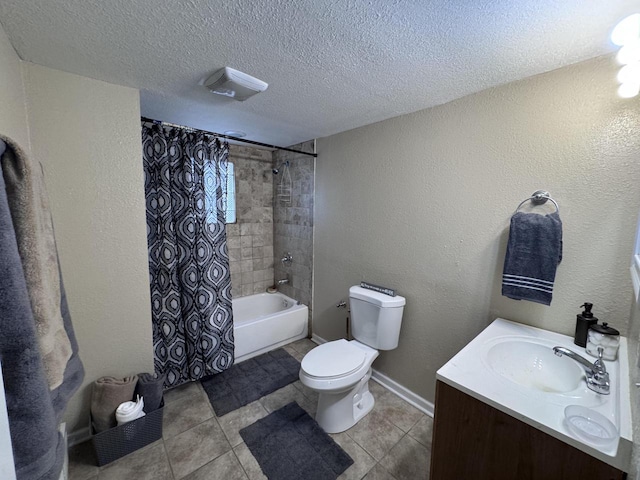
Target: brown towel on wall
<point>107,394</point>
<point>31,216</point>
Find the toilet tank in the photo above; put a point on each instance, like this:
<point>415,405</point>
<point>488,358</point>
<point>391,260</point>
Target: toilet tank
<point>375,318</point>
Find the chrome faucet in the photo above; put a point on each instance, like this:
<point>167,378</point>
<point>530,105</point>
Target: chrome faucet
<point>596,372</point>
<point>286,259</point>
<point>283,281</point>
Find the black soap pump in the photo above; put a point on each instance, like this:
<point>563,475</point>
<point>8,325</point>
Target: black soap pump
<point>583,321</point>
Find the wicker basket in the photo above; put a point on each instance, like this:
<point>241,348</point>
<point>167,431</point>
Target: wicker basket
<point>124,439</point>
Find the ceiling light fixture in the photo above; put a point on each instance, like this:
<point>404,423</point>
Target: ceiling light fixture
<point>232,83</point>
<point>626,30</point>
<point>626,34</point>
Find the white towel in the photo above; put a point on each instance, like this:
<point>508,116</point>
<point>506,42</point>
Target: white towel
<point>129,411</point>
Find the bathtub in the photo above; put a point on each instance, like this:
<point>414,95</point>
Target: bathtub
<point>266,321</point>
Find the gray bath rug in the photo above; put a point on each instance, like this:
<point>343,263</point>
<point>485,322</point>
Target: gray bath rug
<point>246,382</point>
<point>289,445</point>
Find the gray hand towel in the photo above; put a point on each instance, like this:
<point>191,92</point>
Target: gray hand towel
<point>150,388</point>
<point>38,449</point>
<point>106,395</point>
<point>31,216</point>
<point>534,251</point>
<point>29,349</point>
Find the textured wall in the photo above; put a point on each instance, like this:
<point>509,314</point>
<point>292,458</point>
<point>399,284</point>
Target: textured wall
<point>422,203</point>
<point>86,133</point>
<point>634,369</point>
<point>293,224</point>
<point>13,114</point>
<point>250,239</point>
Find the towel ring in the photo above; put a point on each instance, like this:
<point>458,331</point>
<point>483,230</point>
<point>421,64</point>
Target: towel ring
<point>539,197</point>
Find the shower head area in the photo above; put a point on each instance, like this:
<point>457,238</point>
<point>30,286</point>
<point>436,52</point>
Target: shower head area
<point>276,171</point>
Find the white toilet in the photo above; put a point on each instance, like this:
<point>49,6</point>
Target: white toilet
<point>340,370</point>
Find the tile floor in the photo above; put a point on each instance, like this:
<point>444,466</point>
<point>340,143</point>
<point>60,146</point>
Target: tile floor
<point>391,442</point>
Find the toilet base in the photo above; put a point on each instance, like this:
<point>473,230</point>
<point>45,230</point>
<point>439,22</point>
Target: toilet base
<point>339,411</point>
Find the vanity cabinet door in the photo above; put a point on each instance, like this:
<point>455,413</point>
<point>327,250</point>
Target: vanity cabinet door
<point>472,440</point>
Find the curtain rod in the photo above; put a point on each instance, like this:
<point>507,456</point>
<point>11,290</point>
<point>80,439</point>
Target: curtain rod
<point>227,137</point>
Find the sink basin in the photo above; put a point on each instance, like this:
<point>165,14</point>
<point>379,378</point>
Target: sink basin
<point>534,366</point>
<point>512,367</point>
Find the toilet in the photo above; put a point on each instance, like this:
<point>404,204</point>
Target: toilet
<point>340,370</point>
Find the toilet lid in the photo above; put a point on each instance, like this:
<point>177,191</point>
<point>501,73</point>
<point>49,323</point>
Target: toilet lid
<point>333,359</point>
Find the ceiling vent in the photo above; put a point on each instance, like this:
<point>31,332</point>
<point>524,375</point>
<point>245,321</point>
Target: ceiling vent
<point>234,84</point>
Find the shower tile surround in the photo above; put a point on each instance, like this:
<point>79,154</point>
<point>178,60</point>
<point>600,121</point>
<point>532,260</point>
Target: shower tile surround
<point>250,239</point>
<point>293,224</point>
<point>267,228</point>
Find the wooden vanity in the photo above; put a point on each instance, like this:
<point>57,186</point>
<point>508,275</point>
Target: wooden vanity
<point>472,440</point>
<point>501,411</point>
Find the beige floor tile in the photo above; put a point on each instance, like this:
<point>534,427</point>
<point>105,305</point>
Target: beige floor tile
<point>235,421</point>
<point>281,397</point>
<point>376,389</point>
<point>180,392</point>
<point>303,346</point>
<point>378,472</point>
<point>375,434</point>
<point>149,463</point>
<point>196,447</point>
<point>225,467</point>
<point>185,413</point>
<point>248,462</point>
<point>397,411</point>
<point>309,406</point>
<point>293,352</point>
<point>362,461</point>
<point>306,391</point>
<point>82,462</point>
<point>423,431</point>
<point>407,460</point>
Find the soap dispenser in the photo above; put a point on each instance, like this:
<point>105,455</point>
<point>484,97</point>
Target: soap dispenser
<point>583,321</point>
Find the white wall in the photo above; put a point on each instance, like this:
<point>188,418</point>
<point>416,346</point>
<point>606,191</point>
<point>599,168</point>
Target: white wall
<point>421,203</point>
<point>13,117</point>
<point>86,133</point>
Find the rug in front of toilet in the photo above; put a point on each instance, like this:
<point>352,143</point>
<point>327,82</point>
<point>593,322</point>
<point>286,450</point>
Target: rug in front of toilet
<point>289,445</point>
<point>250,380</point>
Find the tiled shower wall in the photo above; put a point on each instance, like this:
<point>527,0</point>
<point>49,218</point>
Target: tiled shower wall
<point>293,224</point>
<point>250,239</point>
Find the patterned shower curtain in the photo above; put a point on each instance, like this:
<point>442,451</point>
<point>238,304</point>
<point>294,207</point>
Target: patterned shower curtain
<point>188,258</point>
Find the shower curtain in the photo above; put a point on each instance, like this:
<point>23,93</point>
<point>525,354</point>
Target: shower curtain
<point>188,259</point>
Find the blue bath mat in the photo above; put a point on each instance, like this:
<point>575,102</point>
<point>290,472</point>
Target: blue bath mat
<point>290,445</point>
<point>246,382</point>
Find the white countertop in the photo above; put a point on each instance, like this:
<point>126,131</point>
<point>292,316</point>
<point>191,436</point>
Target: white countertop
<point>469,372</point>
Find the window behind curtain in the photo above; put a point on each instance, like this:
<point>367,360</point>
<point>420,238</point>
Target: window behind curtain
<point>228,193</point>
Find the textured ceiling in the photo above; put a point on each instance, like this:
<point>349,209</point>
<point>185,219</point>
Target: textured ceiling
<point>331,65</point>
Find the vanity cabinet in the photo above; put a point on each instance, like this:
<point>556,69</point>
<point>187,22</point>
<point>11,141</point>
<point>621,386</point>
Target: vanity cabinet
<point>472,440</point>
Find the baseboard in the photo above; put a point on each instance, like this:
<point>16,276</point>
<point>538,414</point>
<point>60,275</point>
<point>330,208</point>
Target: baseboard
<point>78,436</point>
<point>404,393</point>
<point>422,404</point>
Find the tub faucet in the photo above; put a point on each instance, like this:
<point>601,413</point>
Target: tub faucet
<point>283,281</point>
<point>596,372</point>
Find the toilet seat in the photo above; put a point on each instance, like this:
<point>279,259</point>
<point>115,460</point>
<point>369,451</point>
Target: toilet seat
<point>333,360</point>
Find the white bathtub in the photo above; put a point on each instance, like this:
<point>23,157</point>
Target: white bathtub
<point>266,321</point>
